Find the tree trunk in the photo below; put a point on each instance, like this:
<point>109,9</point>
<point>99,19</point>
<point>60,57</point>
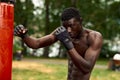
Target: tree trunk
<point>25,23</point>
<point>46,49</point>
<point>73,3</point>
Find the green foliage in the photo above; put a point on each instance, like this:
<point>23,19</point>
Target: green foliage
<point>16,46</point>
<point>24,14</point>
<point>101,16</point>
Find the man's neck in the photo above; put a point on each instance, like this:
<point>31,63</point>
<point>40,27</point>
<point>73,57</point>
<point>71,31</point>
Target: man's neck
<point>80,34</point>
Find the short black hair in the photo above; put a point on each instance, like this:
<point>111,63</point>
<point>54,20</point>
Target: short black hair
<point>4,0</point>
<point>69,13</point>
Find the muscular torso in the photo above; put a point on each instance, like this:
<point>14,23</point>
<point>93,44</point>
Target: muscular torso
<point>81,45</point>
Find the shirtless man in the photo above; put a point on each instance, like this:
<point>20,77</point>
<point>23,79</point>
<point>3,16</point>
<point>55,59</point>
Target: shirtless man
<point>83,45</point>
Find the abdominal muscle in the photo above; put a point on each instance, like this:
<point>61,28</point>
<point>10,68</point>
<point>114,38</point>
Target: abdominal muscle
<point>75,74</point>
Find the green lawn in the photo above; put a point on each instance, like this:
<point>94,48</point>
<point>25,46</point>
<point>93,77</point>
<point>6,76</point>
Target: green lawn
<point>54,72</point>
<point>104,74</point>
<point>46,70</point>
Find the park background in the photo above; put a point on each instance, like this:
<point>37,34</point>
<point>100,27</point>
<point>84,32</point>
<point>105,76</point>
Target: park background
<point>41,17</point>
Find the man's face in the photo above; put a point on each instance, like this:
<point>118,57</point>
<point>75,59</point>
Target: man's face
<point>73,27</point>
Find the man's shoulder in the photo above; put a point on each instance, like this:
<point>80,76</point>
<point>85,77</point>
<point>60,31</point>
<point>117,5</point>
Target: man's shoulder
<point>94,36</point>
<point>95,39</point>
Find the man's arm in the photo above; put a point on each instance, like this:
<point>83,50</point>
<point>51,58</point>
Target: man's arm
<point>87,63</point>
<point>39,42</point>
<point>31,42</point>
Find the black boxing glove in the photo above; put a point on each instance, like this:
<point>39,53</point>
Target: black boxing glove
<point>20,31</point>
<point>62,35</point>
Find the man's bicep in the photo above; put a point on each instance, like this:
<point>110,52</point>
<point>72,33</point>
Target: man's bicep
<point>94,50</point>
<point>98,41</point>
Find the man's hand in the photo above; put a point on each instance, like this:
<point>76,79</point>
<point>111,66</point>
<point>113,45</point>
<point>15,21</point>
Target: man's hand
<point>62,35</point>
<point>20,31</point>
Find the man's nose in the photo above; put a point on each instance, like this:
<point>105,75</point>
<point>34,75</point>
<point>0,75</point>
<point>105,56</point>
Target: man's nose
<point>69,29</point>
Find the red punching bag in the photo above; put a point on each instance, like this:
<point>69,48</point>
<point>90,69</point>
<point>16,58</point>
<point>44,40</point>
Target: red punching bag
<point>6,39</point>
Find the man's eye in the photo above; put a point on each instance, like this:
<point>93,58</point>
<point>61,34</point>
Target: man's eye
<point>70,25</point>
<point>65,24</point>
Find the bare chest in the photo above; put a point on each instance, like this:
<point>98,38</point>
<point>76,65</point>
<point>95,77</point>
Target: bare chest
<point>81,45</point>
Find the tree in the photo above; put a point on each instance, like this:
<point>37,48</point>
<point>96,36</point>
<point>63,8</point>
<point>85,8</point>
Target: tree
<point>46,49</point>
<point>24,15</point>
<point>73,3</point>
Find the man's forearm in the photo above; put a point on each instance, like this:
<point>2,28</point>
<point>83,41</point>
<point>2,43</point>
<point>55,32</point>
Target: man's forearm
<point>39,42</point>
<point>79,61</point>
<point>31,42</point>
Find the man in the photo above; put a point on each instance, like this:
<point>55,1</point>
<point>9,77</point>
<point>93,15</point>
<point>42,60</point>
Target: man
<point>83,45</point>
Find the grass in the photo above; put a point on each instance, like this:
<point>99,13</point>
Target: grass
<point>104,74</point>
<point>23,70</point>
<point>40,69</point>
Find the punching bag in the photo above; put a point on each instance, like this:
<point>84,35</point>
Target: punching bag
<point>6,38</point>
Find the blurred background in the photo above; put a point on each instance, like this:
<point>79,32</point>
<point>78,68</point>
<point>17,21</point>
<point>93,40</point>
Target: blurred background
<point>41,17</point>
